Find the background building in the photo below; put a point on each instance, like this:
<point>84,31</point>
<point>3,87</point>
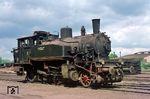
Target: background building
<point>145,55</point>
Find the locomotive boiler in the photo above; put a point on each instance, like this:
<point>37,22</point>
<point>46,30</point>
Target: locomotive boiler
<point>84,59</point>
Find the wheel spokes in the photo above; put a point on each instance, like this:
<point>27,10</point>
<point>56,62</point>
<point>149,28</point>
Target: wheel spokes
<point>85,80</point>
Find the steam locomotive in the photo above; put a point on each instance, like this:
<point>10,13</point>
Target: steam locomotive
<point>83,59</point>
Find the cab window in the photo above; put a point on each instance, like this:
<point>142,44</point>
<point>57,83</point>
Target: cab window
<point>24,43</point>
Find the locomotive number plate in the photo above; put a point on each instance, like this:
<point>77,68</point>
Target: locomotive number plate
<point>41,48</point>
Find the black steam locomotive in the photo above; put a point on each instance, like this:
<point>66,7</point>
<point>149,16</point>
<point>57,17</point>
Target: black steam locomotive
<point>82,59</point>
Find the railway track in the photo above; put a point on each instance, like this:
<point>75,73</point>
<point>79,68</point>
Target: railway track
<point>131,87</point>
<point>10,77</point>
<point>134,84</point>
<point>131,83</point>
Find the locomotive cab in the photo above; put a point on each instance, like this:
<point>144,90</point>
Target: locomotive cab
<point>26,43</point>
<point>22,53</point>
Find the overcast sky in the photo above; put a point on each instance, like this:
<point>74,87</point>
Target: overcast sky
<point>126,22</point>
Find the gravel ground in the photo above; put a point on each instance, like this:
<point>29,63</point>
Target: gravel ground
<point>132,87</point>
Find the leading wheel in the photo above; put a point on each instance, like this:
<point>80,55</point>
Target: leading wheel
<point>85,80</point>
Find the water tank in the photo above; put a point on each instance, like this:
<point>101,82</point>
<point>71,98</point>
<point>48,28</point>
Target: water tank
<point>66,32</point>
<point>96,25</point>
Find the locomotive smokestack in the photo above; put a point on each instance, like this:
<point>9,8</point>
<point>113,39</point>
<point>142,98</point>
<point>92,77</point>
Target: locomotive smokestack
<point>96,25</point>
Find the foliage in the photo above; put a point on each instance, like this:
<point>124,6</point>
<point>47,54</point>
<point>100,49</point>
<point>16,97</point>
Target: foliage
<point>113,55</point>
<point>3,61</point>
<point>145,65</point>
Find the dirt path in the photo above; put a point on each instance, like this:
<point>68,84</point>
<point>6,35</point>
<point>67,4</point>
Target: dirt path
<point>132,87</point>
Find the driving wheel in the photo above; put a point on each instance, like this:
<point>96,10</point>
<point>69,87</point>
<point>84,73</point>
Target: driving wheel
<point>85,80</point>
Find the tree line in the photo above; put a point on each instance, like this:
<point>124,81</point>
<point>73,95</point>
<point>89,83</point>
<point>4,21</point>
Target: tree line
<point>4,61</point>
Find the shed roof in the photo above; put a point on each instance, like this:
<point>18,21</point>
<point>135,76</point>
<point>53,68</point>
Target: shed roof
<point>139,55</point>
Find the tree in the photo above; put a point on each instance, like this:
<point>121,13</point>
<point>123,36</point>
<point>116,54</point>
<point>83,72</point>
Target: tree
<point>145,65</point>
<point>1,61</point>
<point>113,55</point>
